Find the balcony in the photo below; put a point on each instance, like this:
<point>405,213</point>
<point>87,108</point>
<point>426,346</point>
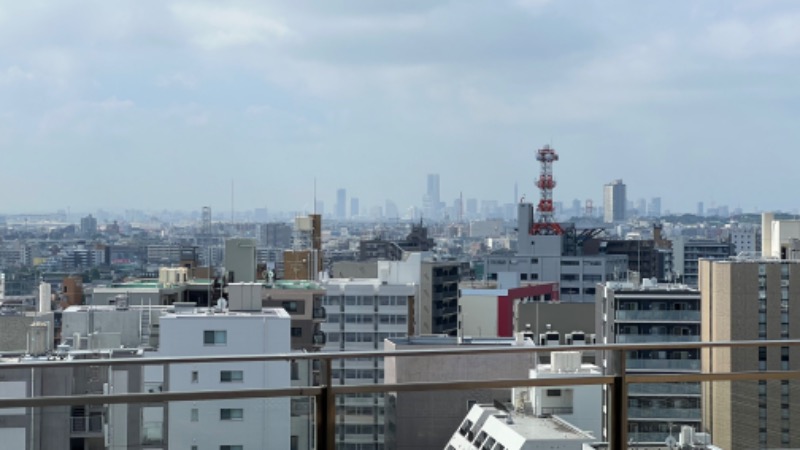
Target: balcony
<point>319,313</point>
<point>664,413</point>
<point>319,338</point>
<point>86,425</point>
<point>662,365</point>
<point>654,338</point>
<point>658,316</point>
<point>323,417</point>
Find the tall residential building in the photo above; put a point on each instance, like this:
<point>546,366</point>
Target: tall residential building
<point>614,202</point>
<point>362,313</point>
<point>354,210</point>
<point>88,226</point>
<point>341,204</point>
<point>751,300</point>
<point>431,202</point>
<point>626,314</point>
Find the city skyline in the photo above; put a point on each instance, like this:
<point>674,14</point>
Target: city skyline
<point>161,105</point>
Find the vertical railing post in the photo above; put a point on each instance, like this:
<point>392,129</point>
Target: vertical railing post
<point>326,409</point>
<point>618,422</point>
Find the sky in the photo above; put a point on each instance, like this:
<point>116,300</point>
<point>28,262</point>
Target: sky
<point>163,104</point>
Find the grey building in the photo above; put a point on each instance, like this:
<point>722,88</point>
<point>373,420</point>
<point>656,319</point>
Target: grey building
<point>614,202</point>
<point>686,254</point>
<point>240,260</point>
<point>424,420</point>
<point>647,313</point>
<point>275,235</point>
<point>544,258</point>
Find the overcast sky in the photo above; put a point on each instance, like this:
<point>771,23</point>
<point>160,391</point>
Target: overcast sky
<point>160,104</point>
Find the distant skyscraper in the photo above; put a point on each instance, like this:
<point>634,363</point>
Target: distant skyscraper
<point>655,207</point>
<point>431,205</point>
<point>576,208</point>
<point>700,209</point>
<point>341,204</point>
<point>88,226</point>
<point>320,208</point>
<point>354,207</point>
<point>391,210</point>
<point>614,202</point>
<point>641,207</point>
<point>472,208</point>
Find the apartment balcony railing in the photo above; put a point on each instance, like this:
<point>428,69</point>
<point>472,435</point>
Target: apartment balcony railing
<point>654,338</point>
<point>665,389</point>
<point>618,381</point>
<point>664,413</point>
<point>664,364</point>
<point>319,338</point>
<point>152,433</point>
<point>658,316</point>
<point>86,424</point>
<point>319,313</point>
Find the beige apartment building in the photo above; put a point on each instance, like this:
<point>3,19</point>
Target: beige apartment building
<point>751,300</point>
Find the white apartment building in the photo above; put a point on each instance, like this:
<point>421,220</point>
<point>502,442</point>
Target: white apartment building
<point>362,313</point>
<point>226,424</point>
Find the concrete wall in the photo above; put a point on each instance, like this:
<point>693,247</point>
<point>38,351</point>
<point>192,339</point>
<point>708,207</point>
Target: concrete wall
<point>562,317</point>
<point>426,420</point>
<point>478,315</point>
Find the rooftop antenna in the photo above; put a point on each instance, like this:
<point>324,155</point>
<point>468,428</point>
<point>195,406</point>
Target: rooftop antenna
<point>315,196</point>
<point>232,202</point>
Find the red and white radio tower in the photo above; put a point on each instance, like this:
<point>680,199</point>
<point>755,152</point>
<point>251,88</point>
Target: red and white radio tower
<point>546,223</point>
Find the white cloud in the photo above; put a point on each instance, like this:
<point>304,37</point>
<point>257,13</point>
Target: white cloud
<point>215,28</point>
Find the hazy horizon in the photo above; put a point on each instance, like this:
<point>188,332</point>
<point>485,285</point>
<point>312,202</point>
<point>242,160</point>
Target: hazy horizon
<point>159,105</point>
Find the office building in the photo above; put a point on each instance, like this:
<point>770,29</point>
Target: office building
<point>88,226</point>
<point>431,202</point>
<point>554,258</point>
<point>751,299</point>
<point>275,235</point>
<point>341,204</point>
<point>628,313</point>
<point>354,210</point>
<point>614,202</point>
<point>654,208</point>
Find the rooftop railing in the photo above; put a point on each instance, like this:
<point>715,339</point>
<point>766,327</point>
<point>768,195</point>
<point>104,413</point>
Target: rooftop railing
<point>615,378</point>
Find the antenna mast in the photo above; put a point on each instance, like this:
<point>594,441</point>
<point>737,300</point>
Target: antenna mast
<point>546,223</point>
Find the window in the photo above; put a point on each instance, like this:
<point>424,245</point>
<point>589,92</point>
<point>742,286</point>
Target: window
<point>231,447</point>
<point>289,306</point>
<point>231,376</point>
<point>554,392</point>
<point>194,415</point>
<point>231,414</point>
<point>195,376</point>
<point>215,337</point>
<point>297,332</point>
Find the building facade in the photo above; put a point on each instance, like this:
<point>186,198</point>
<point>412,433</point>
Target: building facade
<point>649,313</point>
<point>614,202</point>
<point>751,300</point>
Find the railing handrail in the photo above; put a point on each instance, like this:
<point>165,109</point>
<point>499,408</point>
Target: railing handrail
<point>473,349</point>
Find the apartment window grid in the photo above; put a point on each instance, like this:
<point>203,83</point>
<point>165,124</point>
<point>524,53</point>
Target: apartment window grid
<point>785,413</point>
<point>762,304</point>
<point>762,409</point>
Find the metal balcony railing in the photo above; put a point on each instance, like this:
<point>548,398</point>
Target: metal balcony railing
<point>86,424</point>
<point>658,316</point>
<point>617,380</point>
<point>319,313</point>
